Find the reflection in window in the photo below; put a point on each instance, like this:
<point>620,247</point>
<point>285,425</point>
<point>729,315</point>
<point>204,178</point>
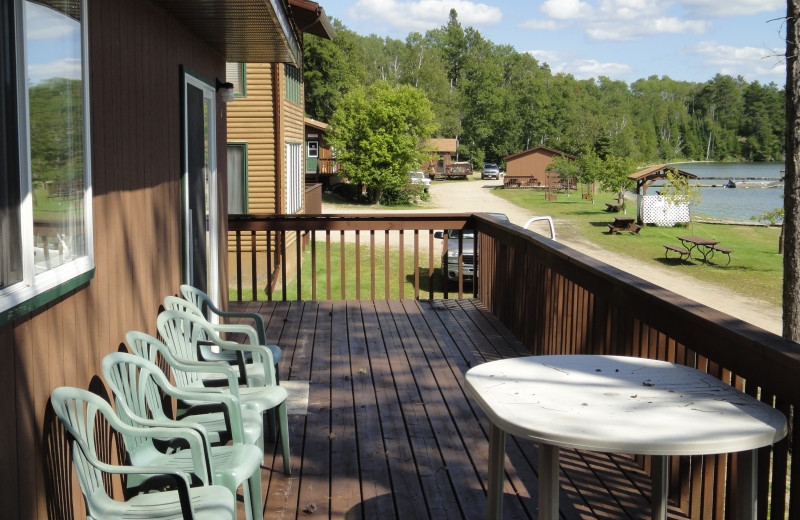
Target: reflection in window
<point>235,73</point>
<point>237,178</point>
<point>55,106</point>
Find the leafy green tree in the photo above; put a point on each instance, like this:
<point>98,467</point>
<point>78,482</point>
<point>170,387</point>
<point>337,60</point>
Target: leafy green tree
<point>379,134</point>
<point>679,190</point>
<point>331,69</point>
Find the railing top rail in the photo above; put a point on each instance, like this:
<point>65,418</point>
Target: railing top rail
<point>348,222</point>
<point>748,350</point>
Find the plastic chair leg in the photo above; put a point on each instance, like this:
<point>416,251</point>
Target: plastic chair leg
<point>284,420</point>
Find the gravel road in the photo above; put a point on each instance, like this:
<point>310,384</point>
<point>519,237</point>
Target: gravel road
<point>477,196</point>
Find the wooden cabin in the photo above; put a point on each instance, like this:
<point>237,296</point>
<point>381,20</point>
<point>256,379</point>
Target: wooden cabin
<point>320,164</point>
<point>529,168</point>
<point>139,142</point>
<point>444,151</point>
<point>268,149</point>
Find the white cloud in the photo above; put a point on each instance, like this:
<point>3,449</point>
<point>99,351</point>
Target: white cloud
<point>728,8</point>
<point>619,20</point>
<point>566,9</point>
<point>580,68</point>
<point>421,15</point>
<point>69,68</point>
<point>615,31</point>
<point>43,23</point>
<point>749,62</point>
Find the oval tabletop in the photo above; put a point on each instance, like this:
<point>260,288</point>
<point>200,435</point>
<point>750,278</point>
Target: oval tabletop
<point>621,404</point>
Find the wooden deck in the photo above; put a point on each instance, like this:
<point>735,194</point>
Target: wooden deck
<point>388,431</point>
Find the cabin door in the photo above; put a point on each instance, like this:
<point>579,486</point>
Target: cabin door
<point>199,186</point>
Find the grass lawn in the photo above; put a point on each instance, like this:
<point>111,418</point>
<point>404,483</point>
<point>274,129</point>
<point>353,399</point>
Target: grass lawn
<point>756,268</point>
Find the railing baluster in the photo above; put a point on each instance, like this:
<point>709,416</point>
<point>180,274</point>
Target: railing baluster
<point>239,265</point>
<point>416,264</point>
<point>372,264</point>
<point>342,266</point>
<point>328,263</point>
<point>358,264</point>
<point>401,267</point>
<point>298,262</point>
<point>386,271</point>
<point>270,284</point>
<point>431,254</point>
<point>313,265</point>
<point>283,253</point>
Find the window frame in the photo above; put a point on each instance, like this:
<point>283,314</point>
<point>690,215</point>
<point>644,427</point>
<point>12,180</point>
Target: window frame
<point>37,290</point>
<point>245,172</point>
<point>241,92</point>
<point>294,190</point>
<point>294,81</point>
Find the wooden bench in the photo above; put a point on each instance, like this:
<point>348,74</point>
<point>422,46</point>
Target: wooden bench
<point>723,250</point>
<point>613,208</point>
<point>682,251</point>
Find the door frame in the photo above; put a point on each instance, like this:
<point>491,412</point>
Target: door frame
<point>189,80</point>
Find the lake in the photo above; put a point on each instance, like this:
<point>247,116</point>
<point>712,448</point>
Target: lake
<point>742,202</point>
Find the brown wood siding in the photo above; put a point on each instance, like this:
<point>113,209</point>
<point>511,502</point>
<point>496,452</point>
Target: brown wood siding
<point>533,165</point>
<point>251,119</point>
<point>135,54</point>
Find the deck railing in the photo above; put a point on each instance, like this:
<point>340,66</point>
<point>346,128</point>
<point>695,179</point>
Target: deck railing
<point>559,301</point>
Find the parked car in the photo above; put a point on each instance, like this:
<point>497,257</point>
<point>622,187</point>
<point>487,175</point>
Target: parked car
<point>451,252</point>
<point>490,171</point>
<point>419,177</point>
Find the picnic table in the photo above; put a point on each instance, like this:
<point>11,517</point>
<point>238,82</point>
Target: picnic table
<point>624,224</point>
<point>705,246</point>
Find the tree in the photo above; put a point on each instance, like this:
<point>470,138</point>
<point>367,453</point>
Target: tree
<point>379,134</point>
<point>791,223</point>
<point>679,190</point>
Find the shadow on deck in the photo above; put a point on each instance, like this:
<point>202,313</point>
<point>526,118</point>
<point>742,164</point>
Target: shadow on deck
<point>388,432</point>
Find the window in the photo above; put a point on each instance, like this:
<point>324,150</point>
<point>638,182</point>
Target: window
<point>45,207</point>
<point>313,149</point>
<point>293,81</point>
<point>294,178</point>
<point>235,73</point>
<point>237,178</point>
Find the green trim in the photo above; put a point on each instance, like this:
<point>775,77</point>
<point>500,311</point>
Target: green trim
<point>246,168</point>
<point>40,300</point>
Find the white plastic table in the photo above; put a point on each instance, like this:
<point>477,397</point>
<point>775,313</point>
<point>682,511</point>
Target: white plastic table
<point>618,405</point>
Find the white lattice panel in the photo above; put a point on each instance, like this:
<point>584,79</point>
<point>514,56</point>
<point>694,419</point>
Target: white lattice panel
<point>657,210</point>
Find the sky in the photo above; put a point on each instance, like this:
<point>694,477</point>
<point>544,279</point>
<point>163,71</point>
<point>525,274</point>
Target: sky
<point>687,40</point>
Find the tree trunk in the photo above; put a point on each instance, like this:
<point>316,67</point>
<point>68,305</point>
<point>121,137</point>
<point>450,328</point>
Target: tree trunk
<point>791,257</point>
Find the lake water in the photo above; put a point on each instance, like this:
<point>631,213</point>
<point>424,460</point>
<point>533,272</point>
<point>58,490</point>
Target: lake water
<point>742,202</point>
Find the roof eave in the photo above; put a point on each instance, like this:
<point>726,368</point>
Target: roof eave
<point>241,30</point>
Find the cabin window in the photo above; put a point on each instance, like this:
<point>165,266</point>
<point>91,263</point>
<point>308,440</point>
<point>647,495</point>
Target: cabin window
<point>313,149</point>
<point>293,81</point>
<point>45,208</point>
<point>294,178</point>
<point>237,178</point>
<point>235,73</point>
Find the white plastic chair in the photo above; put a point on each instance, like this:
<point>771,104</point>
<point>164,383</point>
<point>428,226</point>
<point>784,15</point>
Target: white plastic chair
<point>138,403</point>
<point>181,332</point>
<point>220,413</point>
<point>78,411</point>
<point>202,301</point>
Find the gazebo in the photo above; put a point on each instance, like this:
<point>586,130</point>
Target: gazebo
<point>654,209</point>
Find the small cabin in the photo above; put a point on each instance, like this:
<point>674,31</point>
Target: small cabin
<point>529,168</point>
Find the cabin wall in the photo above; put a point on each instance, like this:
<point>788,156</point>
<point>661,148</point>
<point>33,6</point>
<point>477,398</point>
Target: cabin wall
<point>532,165</point>
<point>135,54</point>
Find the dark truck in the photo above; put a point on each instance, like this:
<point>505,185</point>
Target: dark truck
<point>450,251</point>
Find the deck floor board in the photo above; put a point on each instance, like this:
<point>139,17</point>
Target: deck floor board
<point>389,432</point>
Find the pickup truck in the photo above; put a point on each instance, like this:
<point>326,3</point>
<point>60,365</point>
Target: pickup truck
<point>450,252</point>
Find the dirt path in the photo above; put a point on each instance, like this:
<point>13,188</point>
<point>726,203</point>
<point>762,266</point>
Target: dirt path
<point>476,196</point>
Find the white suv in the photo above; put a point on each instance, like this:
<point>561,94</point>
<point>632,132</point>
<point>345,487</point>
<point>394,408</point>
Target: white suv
<point>419,177</point>
<point>490,171</point>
